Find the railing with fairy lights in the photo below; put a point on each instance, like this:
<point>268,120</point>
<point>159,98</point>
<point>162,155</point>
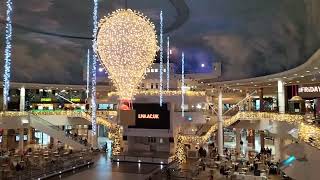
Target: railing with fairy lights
<point>165,93</point>
<point>115,132</point>
<point>307,132</point>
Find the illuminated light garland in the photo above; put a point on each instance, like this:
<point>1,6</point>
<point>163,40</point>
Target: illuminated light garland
<point>93,96</point>
<point>7,55</point>
<point>306,131</point>
<point>88,73</point>
<point>161,58</point>
<point>94,69</point>
<point>127,45</point>
<point>168,63</point>
<point>165,93</point>
<point>182,84</point>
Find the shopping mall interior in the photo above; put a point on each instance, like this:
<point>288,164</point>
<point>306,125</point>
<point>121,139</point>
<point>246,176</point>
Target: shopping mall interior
<point>160,90</point>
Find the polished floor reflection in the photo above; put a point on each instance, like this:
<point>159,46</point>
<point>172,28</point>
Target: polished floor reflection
<point>106,170</point>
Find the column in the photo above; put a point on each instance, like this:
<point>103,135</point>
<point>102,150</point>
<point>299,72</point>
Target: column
<point>220,124</point>
<point>251,138</point>
<point>279,145</point>
<point>22,98</point>
<point>30,135</point>
<point>92,139</point>
<point>262,142</point>
<point>238,139</point>
<point>4,139</point>
<point>281,97</point>
<point>249,101</point>
<point>261,100</point>
<point>21,133</point>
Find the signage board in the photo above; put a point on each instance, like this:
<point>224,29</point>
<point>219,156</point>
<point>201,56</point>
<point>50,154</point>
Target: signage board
<point>45,100</point>
<point>309,91</point>
<point>151,116</point>
<point>75,99</point>
<point>148,116</point>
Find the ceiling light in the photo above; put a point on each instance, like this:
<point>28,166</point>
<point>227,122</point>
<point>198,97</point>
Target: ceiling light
<point>315,68</point>
<point>296,74</point>
<point>302,76</point>
<point>297,81</point>
<point>290,82</point>
<point>255,85</point>
<point>285,77</point>
<point>269,84</point>
<point>202,65</point>
<point>307,71</point>
<point>251,82</point>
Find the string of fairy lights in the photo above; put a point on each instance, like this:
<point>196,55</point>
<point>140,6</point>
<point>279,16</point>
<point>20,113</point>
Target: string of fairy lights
<point>127,45</point>
<point>161,59</point>
<point>94,68</point>
<point>7,54</point>
<point>168,63</point>
<point>182,84</point>
<point>88,73</point>
<point>165,93</point>
<point>307,132</point>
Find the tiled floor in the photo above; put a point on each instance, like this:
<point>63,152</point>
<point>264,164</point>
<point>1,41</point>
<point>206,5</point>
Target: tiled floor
<point>104,169</point>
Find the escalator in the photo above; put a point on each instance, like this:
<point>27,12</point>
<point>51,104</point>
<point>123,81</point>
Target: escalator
<point>53,131</point>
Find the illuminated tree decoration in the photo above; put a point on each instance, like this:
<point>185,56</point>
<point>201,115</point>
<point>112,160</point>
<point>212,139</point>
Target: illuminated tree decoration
<point>127,45</point>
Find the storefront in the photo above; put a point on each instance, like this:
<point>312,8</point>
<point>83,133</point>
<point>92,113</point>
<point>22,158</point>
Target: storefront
<point>310,93</point>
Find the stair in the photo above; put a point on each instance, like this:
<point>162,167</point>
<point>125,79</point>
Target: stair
<point>53,131</point>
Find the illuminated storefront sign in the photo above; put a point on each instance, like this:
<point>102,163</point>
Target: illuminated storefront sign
<point>148,116</point>
<point>45,99</point>
<point>75,100</point>
<point>309,89</point>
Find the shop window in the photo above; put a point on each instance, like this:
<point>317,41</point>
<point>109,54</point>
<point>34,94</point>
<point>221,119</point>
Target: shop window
<point>151,85</point>
<point>151,140</point>
<point>152,70</point>
<point>42,138</point>
<point>157,85</point>
<point>155,70</point>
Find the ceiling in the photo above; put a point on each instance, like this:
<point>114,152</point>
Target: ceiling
<point>251,38</point>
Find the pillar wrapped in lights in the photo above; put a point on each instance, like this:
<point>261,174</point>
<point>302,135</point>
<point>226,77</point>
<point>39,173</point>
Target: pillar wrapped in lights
<point>88,73</point>
<point>182,84</point>
<point>168,63</point>
<point>7,55</point>
<point>94,70</point>
<point>161,58</point>
<point>127,45</point>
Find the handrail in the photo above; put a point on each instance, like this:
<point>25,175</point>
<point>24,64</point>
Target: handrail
<point>306,132</point>
<point>248,96</point>
<point>43,122</point>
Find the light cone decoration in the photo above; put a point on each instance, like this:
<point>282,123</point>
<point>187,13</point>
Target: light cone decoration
<point>127,45</point>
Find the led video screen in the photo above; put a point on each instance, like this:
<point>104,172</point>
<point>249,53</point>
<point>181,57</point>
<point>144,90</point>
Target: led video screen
<point>151,116</point>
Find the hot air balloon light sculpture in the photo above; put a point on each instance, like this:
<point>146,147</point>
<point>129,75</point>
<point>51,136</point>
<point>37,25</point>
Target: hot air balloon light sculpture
<point>126,45</point>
